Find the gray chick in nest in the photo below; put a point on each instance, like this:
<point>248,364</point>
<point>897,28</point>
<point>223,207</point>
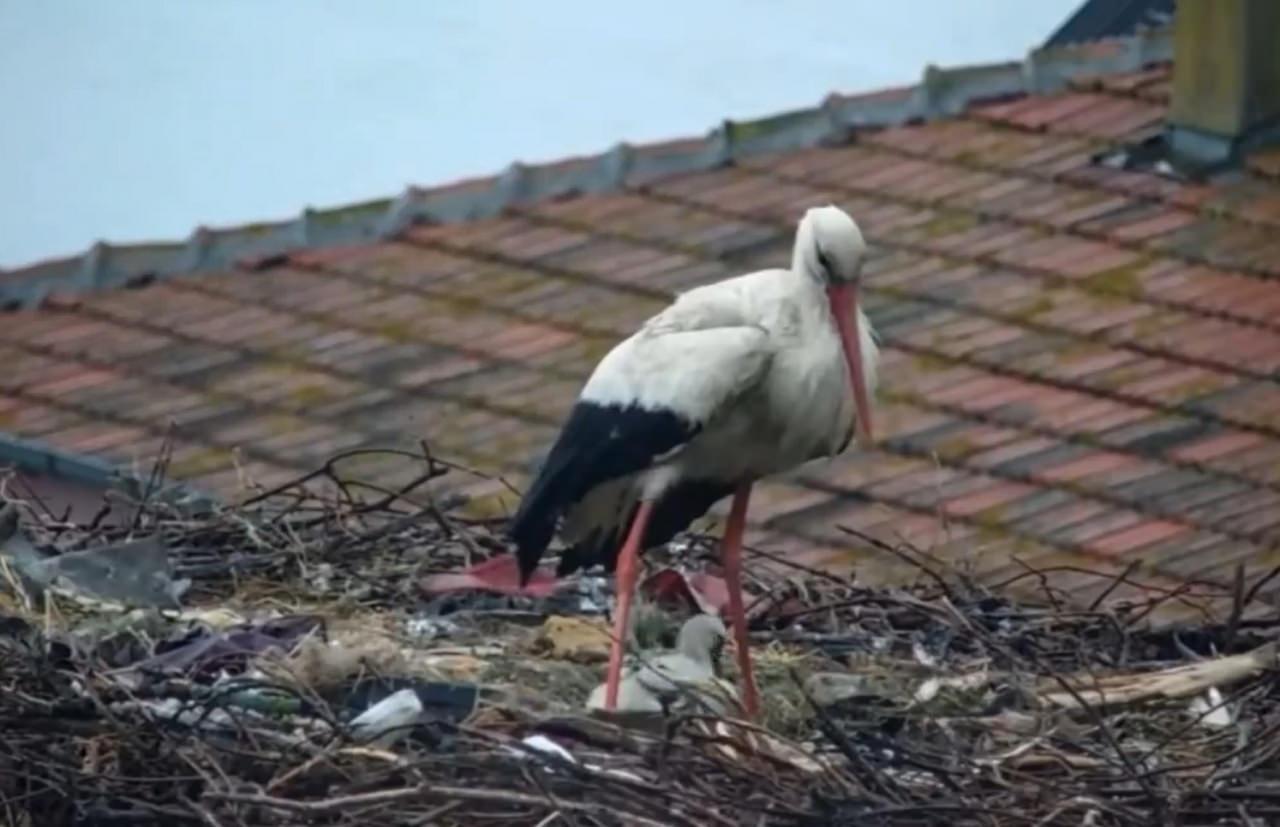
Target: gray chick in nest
<point>659,682</point>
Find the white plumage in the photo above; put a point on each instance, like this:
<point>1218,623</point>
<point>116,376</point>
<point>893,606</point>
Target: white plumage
<point>757,360</point>
<point>733,382</point>
<point>658,681</point>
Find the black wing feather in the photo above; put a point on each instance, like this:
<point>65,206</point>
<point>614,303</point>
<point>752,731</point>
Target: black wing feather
<point>679,507</point>
<point>598,443</point>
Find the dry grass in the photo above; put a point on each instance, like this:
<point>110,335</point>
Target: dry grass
<point>262,739</point>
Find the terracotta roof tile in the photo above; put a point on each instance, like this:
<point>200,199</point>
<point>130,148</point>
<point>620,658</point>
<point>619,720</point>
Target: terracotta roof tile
<point>1080,361</point>
<point>1127,82</point>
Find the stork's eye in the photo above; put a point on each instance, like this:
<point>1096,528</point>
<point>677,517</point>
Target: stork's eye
<point>825,264</point>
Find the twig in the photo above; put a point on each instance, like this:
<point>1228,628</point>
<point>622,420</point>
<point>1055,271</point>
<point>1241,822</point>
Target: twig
<point>1115,584</point>
<point>1237,609</point>
<point>902,555</point>
<point>383,797</point>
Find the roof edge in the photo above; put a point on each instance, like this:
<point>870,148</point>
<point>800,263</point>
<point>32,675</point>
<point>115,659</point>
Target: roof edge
<point>1094,19</point>
<point>941,93</point>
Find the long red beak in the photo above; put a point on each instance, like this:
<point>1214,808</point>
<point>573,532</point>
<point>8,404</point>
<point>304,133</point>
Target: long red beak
<point>844,308</point>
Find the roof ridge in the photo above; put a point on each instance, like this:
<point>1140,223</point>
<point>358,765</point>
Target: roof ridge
<point>940,93</point>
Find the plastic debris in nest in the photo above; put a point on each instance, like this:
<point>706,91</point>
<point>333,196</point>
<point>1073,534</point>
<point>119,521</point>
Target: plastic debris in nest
<point>541,745</point>
<point>1211,710</point>
<point>497,575</point>
<point>427,628</point>
<point>395,708</point>
<point>686,591</point>
<point>582,594</point>
<point>930,647</point>
<point>202,653</point>
<point>389,720</point>
<point>137,573</point>
<point>594,593</point>
<point>346,749</point>
<point>494,585</point>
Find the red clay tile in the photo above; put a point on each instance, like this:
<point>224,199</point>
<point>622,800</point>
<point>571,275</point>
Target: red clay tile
<point>1074,512</point>
<point>1009,451</point>
<point>979,218</point>
<point>923,479</point>
<point>1125,83</point>
<point>1217,446</point>
<point>1094,363</point>
<point>1157,225</point>
<point>1038,112</point>
<point>998,494</point>
<point>1136,537</point>
<point>776,500</point>
<point>1115,119</point>
<point>1097,463</point>
<point>74,380</point>
<point>97,438</point>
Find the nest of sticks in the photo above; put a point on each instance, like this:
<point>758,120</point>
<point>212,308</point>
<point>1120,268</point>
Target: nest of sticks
<point>937,703</point>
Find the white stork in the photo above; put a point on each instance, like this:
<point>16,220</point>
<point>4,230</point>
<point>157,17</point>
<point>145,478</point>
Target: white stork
<point>734,381</point>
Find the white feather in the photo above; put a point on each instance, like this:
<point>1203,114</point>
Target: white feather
<point>690,372</point>
<point>755,360</point>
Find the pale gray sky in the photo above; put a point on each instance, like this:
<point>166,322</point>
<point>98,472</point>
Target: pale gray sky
<point>129,120</point>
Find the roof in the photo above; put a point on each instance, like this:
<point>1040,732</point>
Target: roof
<point>1097,19</point>
<point>1080,363</point>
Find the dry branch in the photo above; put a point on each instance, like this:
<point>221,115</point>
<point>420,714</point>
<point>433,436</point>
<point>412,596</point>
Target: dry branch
<point>1174,682</point>
<point>946,703</point>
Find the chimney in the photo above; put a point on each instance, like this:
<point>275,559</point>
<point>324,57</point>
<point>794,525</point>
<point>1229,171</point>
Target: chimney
<point>1226,79</point>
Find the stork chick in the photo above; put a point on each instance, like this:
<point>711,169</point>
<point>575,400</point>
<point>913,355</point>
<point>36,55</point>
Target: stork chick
<point>656,683</point>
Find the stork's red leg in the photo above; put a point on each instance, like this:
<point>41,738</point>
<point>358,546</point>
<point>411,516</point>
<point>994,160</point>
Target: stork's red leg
<point>625,584</point>
<point>732,558</point>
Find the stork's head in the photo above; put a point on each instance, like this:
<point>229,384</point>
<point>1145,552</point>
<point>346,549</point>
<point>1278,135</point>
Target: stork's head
<point>701,638</point>
<point>830,250</point>
<point>829,247</point>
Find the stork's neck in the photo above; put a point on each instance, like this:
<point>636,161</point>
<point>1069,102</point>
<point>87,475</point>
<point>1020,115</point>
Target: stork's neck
<point>810,294</point>
<point>696,645</point>
<point>804,255</point>
<point>807,275</point>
